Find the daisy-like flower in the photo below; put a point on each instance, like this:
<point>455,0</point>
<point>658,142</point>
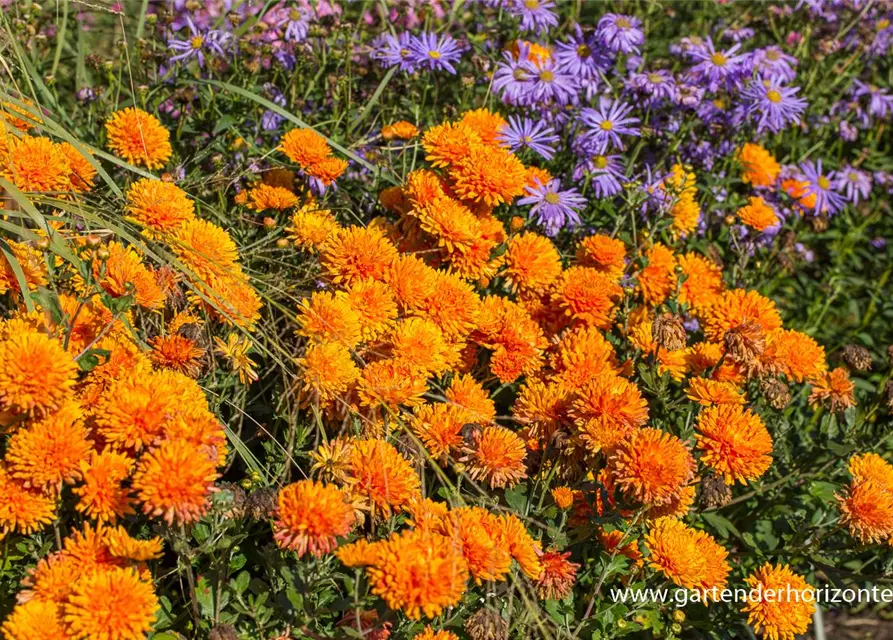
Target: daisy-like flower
<point>311,516</point>
<point>835,388</point>
<point>536,15</point>
<point>310,226</point>
<point>620,33</point>
<point>265,196</point>
<point>783,605</point>
<point>395,51</point>
<point>496,457</point>
<point>489,176</point>
<point>606,172</point>
<point>113,603</point>
<point>427,51</point>
<point>855,184</point>
<point>758,166</point>
<point>651,466</point>
<point>549,82</point>
<point>235,349</point>
<point>525,133</point>
<point>304,147</point>
<point>775,106</point>
<point>606,410</point>
<point>563,497</point>
<point>866,507</point>
<point>772,63</point>
<point>439,427</point>
<point>177,353</point>
<point>821,186</point>
<point>690,558</point>
<point>603,253</point>
<point>22,509</point>
<point>588,295</point>
<point>297,24</point>
<point>36,164</point>
<point>357,253</point>
<point>795,354</point>
<point>656,86</point>
<point>158,206</point>
<point>175,481</point>
<point>102,495</point>
<point>715,68</point>
<point>32,263</point>
<point>139,138</point>
<point>35,619</point>
<point>514,77</point>
<point>532,263</point>
<point>558,577</point>
<point>582,56</point>
<point>328,371</point>
<point>552,207</point>
<point>758,215</point>
<point>734,442</point>
<point>377,473</point>
<point>606,123</point>
<point>36,374</point>
<point>198,43</point>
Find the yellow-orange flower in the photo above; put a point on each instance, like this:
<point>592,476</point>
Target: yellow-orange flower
<point>867,509</point>
<point>603,253</point>
<point>531,263</point>
<point>37,164</point>
<point>374,305</point>
<point>329,317</point>
<point>22,509</point>
<point>651,466</point>
<point>36,374</point>
<point>114,604</point>
<point>784,602</point>
<point>82,173</point>
<point>734,442</point>
<point>707,392</point>
<point>497,457</point>
<point>327,170</point>
<point>157,205</point>
<point>795,354</point>
<point>658,279</point>
<point>175,481</point>
<point>469,397</point>
<point>690,558</point>
<point>311,516</point>
<point>177,353</point>
<point>738,307</point>
<point>558,576</point>
<point>686,213</point>
<point>835,388</point>
<point>563,497</point>
<point>122,545</point>
<point>524,549</point>
<point>304,147</point>
<point>757,214</point>
<point>870,467</point>
<point>452,304</point>
<point>124,273</point>
<point>35,620</point>
<point>588,295</point>
<point>480,536</point>
<point>489,176</point>
<point>446,144</point>
<point>378,473</point>
<point>606,410</point>
<point>758,166</point>
<point>311,226</point>
<point>485,123</point>
<point>702,282</point>
<point>328,371</point>
<point>390,384</point>
<point>205,249</point>
<point>430,634</point>
<point>411,281</point>
<point>139,138</point>
<point>401,129</point>
<point>33,267</point>
<point>439,427</point>
<point>102,494</point>
<point>357,253</point>
<point>265,196</point>
<point>581,355</point>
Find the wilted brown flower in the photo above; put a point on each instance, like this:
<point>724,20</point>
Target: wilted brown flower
<point>856,357</point>
<point>487,624</point>
<point>261,504</point>
<point>223,632</point>
<point>776,393</point>
<point>668,332</point>
<point>715,492</point>
<point>746,343</point>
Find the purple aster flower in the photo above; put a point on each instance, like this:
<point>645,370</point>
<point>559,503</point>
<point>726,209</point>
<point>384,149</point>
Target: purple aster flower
<point>739,34</point>
<point>774,64</point>
<point>880,103</point>
<point>689,46</point>
<point>854,183</point>
<point>513,77</point>
<point>655,85</point>
<point>582,56</point>
<point>552,207</point>
<point>270,120</point>
<point>394,51</point>
<point>536,15</point>
<point>717,68</point>
<point>621,34</point>
<point>847,131</point>
<point>198,43</point>
<point>431,52</point>
<point>775,106</point>
<point>688,95</point>
<point>526,133</point>
<point>607,123</point>
<point>606,173</point>
<point>822,186</point>
<point>879,242</point>
<point>296,26</point>
<point>550,83</point>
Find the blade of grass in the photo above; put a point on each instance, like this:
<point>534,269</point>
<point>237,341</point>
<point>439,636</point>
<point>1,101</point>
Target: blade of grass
<point>18,272</point>
<point>373,100</point>
<point>61,32</point>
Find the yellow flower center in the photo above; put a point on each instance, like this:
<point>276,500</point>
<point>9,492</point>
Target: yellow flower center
<point>532,4</point>
<point>196,42</point>
<point>434,54</point>
<point>773,96</point>
<point>600,162</point>
<point>824,183</point>
<point>655,77</point>
<point>584,51</point>
<point>295,15</point>
<point>547,76</point>
<point>853,177</point>
<point>773,55</point>
<point>552,198</point>
<point>882,24</point>
<point>606,125</point>
<point>527,139</point>
<point>720,104</point>
<point>622,23</point>
<point>719,59</point>
<point>519,74</point>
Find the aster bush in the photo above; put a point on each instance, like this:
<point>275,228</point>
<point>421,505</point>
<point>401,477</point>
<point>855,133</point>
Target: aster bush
<point>443,320</point>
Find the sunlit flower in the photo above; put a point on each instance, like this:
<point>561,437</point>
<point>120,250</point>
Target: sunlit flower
<point>497,457</point>
<point>489,176</point>
<point>563,497</point>
<point>439,427</point>
<point>784,604</point>
<point>36,374</point>
<point>485,123</point>
<point>357,253</point>
<point>158,206</point>
<point>310,516</point>
<point>702,284</point>
<point>734,442</point>
<point>401,129</point>
<point>651,466</point>
<point>304,147</point>
<point>558,577</point>
<point>835,388</point>
<point>328,371</point>
<point>235,349</point>
<point>22,509</point>
<point>866,507</point>
<point>795,354</point>
<point>114,603</point>
<point>327,170</point>
<point>32,264</point>
<point>690,558</point>
<point>35,620</point>
<point>36,164</point>
<point>411,281</point>
<point>469,397</point>
<point>581,355</point>
<point>446,144</point>
<point>310,226</point>
<point>452,304</point>
<point>379,474</point>
<point>606,410</point>
<point>758,166</point>
<point>707,392</point>
<point>588,295</point>
<point>389,384</point>
<point>139,138</point>
<point>757,214</point>
<point>480,536</point>
<point>524,549</point>
<point>102,495</point>
<point>329,317</point>
<point>603,253</point>
<point>531,263</point>
<point>265,196</point>
<point>178,353</point>
<point>205,249</point>
<point>658,278</point>
<point>738,307</point>
<point>82,172</point>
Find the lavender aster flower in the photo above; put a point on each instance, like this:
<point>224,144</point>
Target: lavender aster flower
<point>821,185</point>
<point>393,51</point>
<point>854,183</point>
<point>774,64</point>
<point>655,85</point>
<point>195,46</point>
<point>552,207</point>
<point>431,52</point>
<point>582,56</point>
<point>513,78</point>
<point>536,15</point>
<point>621,34</point>
<point>880,103</point>
<point>550,82</point>
<point>775,106</point>
<point>717,68</point>
<point>606,173</point>
<point>296,26</point>
<point>525,133</point>
<point>607,123</point>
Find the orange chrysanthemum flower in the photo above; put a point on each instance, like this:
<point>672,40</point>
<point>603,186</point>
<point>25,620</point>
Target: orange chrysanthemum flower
<point>531,263</point>
<point>175,481</point>
<point>480,536</point>
<point>102,494</point>
<point>411,281</point>
<point>558,577</point>
<point>798,190</point>
<point>785,602</point>
<point>311,516</point>
<point>158,206</point>
<point>374,304</point>
<point>423,188</point>
<point>588,295</point>
<point>391,383</point>
<point>357,253</point>
<point>738,307</point>
<point>489,176</point>
<point>703,356</point>
<point>82,172</point>
<point>835,388</point>
<point>702,282</point>
<point>177,353</point>
<point>758,166</point>
<point>51,579</point>
<point>35,620</point>
<point>114,604</point>
<point>37,164</point>
<point>469,397</point>
<point>328,371</point>
<point>866,507</point>
<point>310,227</point>
<point>485,123</point>
<point>420,343</point>
<point>651,466</point>
<point>439,427</point>
<point>497,457</point>
<point>446,144</point>
<point>50,451</point>
<point>603,253</point>
<point>265,196</point>
<point>33,267</point>
<point>870,467</point>
<point>708,392</point>
<point>378,473</point>
<point>678,506</point>
<point>563,497</point>
<point>795,354</point>
<point>690,558</point>
<point>734,442</point>
<point>122,545</point>
<point>139,138</point>
<point>430,634</point>
<point>658,279</point>
<point>22,509</point>
<point>19,117</point>
<point>452,304</point>
<point>525,550</point>
<point>419,573</point>
<point>451,223</point>
<point>206,250</point>
<point>329,317</point>
<point>36,374</point>
<point>686,213</point>
<point>124,273</point>
<point>304,147</point>
<point>543,406</point>
<point>401,130</point>
<point>757,214</point>
<point>327,170</point>
<point>581,355</point>
<point>612,540</point>
<point>606,410</point>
